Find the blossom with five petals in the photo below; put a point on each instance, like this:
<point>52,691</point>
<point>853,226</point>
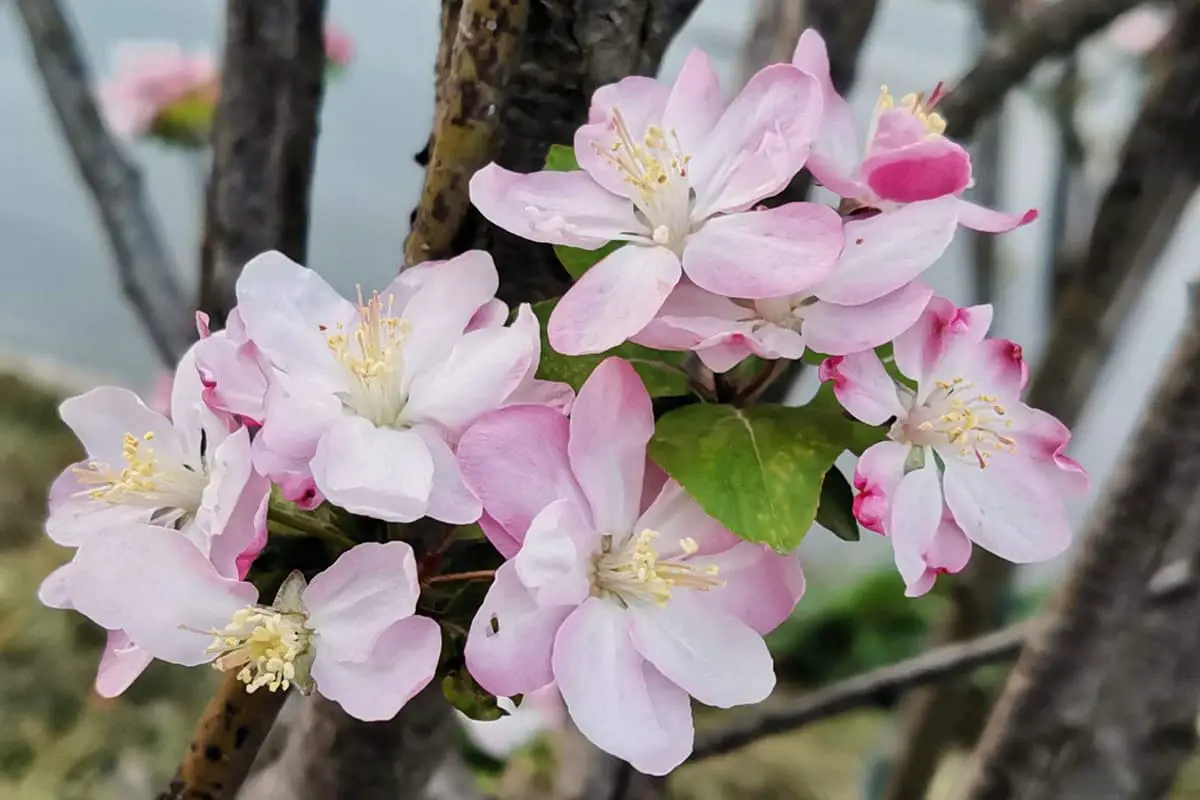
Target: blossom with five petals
<point>672,172</point>
<point>965,460</point>
<point>619,588</point>
<point>907,158</point>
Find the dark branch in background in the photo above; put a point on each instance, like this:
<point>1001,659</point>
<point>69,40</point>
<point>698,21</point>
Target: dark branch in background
<point>146,269</point>
<point>485,41</point>
<point>264,141</point>
<point>1051,29</point>
<point>863,690</point>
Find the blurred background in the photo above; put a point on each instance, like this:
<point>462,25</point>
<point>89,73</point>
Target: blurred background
<point>65,325</point>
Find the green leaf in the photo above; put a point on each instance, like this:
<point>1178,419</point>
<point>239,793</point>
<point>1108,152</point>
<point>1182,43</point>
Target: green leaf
<point>661,371</point>
<point>758,470</point>
<point>836,510</point>
<point>561,158</point>
<point>576,261</point>
<point>469,697</point>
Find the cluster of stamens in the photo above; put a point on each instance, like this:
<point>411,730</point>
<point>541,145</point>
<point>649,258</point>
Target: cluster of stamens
<point>264,644</point>
<point>136,478</point>
<point>969,421</point>
<point>636,570</point>
<point>919,106</point>
<point>373,355</point>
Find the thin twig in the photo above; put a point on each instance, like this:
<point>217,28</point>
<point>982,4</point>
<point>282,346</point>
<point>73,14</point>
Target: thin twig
<point>146,270</point>
<point>264,141</point>
<point>1051,29</point>
<point>862,690</point>
<point>473,575</point>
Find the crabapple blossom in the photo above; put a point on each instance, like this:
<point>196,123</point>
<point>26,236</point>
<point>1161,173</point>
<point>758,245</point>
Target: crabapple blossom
<point>871,297</point>
<point>965,461</point>
<point>150,78</point>
<point>906,157</point>
<point>351,632</point>
<point>367,399</point>
<point>619,588</point>
<point>674,173</point>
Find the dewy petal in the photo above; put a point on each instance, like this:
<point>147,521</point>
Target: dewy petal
<point>935,167</point>
<point>449,498</point>
<point>888,250</point>
<point>863,386</point>
<point>916,513</point>
<point>760,142</point>
<point>509,645</point>
<point>613,300</point>
<point>102,417</point>
<point>716,658</point>
<point>515,461</point>
<point>377,472</point>
<point>876,476</point>
<point>640,101</point>
<point>365,591</point>
<point>1007,509</point>
<point>553,207</point>
<point>838,147</point>
<point>480,373</point>
<point>695,102</point>
<point>553,563</point>
<point>922,346</point>
<point>768,253</point>
<point>155,585</point>
<point>838,330</point>
<point>611,424</point>
<point>120,664</point>
<point>600,675</point>
<point>988,220</point>
<point>402,663</point>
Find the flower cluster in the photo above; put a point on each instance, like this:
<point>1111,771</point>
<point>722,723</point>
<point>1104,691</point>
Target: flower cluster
<point>344,422</point>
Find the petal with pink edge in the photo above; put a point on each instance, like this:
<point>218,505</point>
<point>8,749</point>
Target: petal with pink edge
<point>230,501</point>
<point>841,329</point>
<point>862,386</point>
<point>988,220</point>
<point>933,168</point>
<point>157,587</point>
<point>504,542</point>
<point>402,663</point>
<point>120,665</point>
<point>600,675</point>
<point>838,147</point>
<point>377,472</point>
<point>919,348</point>
<point>515,461</point>
<point>758,586</point>
<point>949,552</point>
<point>353,601</point>
<point>768,253</point>
<point>554,207</point>
<point>613,300</point>
<point>1007,509</point>
<point>1043,440</point>
<point>611,423</point>
<point>716,658</point>
<point>916,513</point>
<point>511,638</point>
<point>759,143</point>
<point>876,476</point>
<point>887,251</point>
<point>555,560</point>
<point>695,103</point>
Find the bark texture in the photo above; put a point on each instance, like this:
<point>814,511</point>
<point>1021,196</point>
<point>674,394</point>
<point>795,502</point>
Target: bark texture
<point>264,141</point>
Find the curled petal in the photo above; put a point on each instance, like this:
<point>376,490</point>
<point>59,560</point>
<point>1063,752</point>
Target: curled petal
<point>863,386</point>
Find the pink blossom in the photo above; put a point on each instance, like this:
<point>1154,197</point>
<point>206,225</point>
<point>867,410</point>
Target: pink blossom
<point>351,632</point>
<point>674,173</point>
<point>150,77</point>
<point>619,589</point>
<point>965,460</point>
<point>871,297</point>
<point>369,399</point>
<point>339,46</point>
<point>1140,30</point>
<point>540,710</point>
<point>906,157</point>
<point>233,373</point>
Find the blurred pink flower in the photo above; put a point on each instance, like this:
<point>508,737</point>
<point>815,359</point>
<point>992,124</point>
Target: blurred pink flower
<point>148,78</point>
<point>1140,30</point>
<point>339,46</point>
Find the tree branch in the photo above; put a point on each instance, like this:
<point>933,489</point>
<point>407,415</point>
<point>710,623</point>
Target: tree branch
<point>145,268</point>
<point>862,690</point>
<point>1051,29</point>
<point>264,141</point>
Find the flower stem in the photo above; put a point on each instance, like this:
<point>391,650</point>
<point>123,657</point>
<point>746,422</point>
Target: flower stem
<point>288,522</point>
<point>474,575</point>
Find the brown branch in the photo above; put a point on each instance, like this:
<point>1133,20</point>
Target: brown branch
<point>144,265</point>
<point>864,690</point>
<point>264,140</point>
<point>1051,29</point>
<point>227,738</point>
<point>469,97</point>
